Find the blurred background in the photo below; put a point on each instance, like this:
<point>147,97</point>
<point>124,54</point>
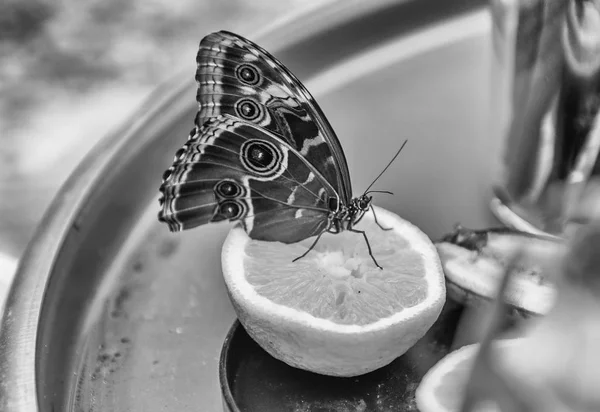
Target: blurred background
<point>71,71</point>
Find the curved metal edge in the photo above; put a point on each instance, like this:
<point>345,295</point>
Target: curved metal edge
<point>18,330</point>
<point>229,404</point>
<point>19,326</point>
<point>304,23</point>
<point>301,25</point>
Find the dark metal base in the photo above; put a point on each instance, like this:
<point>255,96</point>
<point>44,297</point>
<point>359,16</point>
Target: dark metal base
<point>252,380</point>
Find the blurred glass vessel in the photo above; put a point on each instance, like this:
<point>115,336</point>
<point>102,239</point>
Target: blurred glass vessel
<point>545,110</point>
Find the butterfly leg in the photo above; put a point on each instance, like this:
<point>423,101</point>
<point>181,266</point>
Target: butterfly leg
<point>368,245</point>
<point>311,247</point>
<point>376,221</point>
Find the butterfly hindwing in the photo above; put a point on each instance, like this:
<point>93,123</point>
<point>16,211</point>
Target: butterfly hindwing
<point>236,170</point>
<point>239,78</point>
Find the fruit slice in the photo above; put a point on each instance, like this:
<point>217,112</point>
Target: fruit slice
<point>443,387</point>
<point>474,262</point>
<point>333,312</point>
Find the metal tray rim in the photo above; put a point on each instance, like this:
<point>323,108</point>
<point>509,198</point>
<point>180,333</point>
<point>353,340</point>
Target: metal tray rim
<point>228,399</point>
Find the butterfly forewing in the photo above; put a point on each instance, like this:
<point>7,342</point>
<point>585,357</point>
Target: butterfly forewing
<point>235,170</point>
<point>238,77</point>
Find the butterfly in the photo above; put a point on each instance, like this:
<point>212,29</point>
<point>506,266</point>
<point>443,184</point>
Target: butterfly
<point>261,153</point>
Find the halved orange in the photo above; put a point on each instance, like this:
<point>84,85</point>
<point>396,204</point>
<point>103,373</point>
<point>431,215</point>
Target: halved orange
<point>443,387</point>
<point>334,312</point>
<point>474,275</point>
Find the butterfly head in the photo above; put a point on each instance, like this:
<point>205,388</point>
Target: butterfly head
<point>363,202</point>
<point>358,206</point>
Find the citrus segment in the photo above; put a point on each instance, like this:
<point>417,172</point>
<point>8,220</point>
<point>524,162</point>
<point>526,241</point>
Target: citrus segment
<point>339,281</point>
<point>333,312</point>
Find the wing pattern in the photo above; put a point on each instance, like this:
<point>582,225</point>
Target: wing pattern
<point>236,170</point>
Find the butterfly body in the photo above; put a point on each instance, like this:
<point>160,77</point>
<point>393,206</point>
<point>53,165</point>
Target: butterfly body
<point>346,216</point>
<point>261,153</point>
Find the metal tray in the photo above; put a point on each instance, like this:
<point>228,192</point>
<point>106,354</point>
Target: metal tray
<point>110,312</point>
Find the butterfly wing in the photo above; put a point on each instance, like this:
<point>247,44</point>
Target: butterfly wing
<point>237,77</point>
<point>234,170</point>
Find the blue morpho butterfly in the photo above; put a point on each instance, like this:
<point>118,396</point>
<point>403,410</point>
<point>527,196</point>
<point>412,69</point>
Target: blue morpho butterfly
<point>262,153</point>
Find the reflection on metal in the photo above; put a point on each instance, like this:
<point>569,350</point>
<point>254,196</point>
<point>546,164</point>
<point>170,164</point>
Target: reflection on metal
<point>547,58</point>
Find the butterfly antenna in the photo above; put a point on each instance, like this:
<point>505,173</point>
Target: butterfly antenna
<point>388,165</point>
<point>387,192</point>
